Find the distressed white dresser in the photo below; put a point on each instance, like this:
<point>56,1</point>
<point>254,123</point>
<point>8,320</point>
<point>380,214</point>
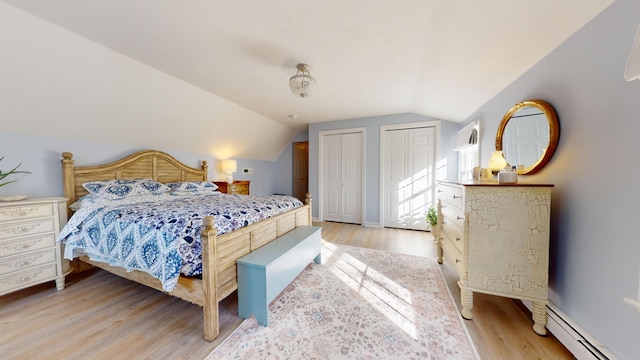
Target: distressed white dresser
<point>497,236</point>
<point>29,253</point>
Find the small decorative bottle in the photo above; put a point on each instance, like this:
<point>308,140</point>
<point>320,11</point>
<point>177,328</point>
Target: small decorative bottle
<point>508,175</point>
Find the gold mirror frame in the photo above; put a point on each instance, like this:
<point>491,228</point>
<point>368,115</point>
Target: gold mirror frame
<point>554,132</point>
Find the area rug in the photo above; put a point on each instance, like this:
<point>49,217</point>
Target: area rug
<point>358,304</point>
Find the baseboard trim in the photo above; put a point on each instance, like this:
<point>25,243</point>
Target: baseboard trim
<point>577,340</point>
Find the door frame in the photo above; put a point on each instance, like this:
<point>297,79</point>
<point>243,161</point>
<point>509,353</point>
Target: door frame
<point>435,124</point>
<point>294,167</point>
<point>321,135</point>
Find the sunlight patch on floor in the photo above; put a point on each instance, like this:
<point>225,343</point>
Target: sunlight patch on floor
<point>388,297</point>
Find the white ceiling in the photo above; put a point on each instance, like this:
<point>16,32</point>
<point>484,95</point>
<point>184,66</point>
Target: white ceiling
<point>438,58</point>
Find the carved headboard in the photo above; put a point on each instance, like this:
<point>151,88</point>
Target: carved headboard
<point>148,164</point>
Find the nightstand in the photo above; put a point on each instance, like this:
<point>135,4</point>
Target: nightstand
<point>238,187</point>
<point>29,252</point>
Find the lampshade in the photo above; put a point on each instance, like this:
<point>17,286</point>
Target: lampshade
<point>301,83</point>
<point>497,162</point>
<point>229,166</point>
<point>632,70</point>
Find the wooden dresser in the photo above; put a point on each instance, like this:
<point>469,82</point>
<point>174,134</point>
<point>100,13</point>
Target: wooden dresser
<point>29,253</point>
<point>497,236</point>
<point>238,187</point>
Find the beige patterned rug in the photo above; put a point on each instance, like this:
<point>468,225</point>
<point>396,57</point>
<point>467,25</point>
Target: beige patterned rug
<point>359,304</point>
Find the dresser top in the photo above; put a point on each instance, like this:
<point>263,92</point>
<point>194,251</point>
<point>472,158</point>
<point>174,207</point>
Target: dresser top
<point>33,200</point>
<point>492,183</point>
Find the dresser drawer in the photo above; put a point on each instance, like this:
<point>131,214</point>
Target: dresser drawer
<point>29,260</point>
<point>451,195</point>
<point>32,227</point>
<point>8,248</point>
<point>454,254</point>
<point>452,216</point>
<point>21,212</point>
<point>453,235</point>
<point>237,189</point>
<point>28,277</point>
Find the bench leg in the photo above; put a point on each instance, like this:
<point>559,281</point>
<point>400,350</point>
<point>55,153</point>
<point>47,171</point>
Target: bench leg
<point>262,315</point>
<point>318,259</point>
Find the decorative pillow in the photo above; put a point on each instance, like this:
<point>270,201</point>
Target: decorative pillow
<point>84,201</point>
<point>120,189</point>
<point>192,186</point>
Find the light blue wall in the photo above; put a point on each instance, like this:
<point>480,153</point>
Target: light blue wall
<point>595,249</point>
<point>283,175</point>
<point>372,156</point>
<point>41,156</point>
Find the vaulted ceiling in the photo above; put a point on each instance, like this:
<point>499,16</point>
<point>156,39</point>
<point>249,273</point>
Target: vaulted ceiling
<point>438,58</point>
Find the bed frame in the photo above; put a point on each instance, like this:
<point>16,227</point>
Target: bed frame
<point>219,253</point>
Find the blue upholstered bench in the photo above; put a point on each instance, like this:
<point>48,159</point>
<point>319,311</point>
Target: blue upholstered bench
<point>265,272</point>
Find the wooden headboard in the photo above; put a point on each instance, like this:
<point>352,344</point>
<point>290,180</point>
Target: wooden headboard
<point>148,164</point>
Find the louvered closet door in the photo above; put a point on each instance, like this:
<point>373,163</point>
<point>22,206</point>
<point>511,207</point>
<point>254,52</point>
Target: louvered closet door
<point>342,178</point>
<point>408,177</point>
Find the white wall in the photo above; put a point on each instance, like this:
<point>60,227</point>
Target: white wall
<point>595,250</point>
<point>56,83</point>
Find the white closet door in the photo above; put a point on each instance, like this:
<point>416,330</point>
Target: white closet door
<point>332,177</point>
<point>352,178</point>
<point>408,177</point>
<point>342,177</point>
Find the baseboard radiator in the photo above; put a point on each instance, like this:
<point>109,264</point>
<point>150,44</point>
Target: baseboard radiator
<point>579,342</point>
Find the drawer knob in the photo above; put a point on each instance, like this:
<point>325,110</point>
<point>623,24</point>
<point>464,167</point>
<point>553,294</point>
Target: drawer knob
<point>457,197</point>
<point>459,217</point>
<point>457,261</point>
<point>458,239</point>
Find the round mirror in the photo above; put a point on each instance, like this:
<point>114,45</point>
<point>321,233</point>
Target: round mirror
<point>528,135</point>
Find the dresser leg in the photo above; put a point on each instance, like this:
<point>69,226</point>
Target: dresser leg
<point>440,253</point>
<point>60,283</point>
<point>539,315</point>
<point>466,298</point>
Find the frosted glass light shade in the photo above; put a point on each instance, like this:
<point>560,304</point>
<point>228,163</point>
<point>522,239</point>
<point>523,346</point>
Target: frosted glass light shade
<point>302,82</point>
<point>229,166</point>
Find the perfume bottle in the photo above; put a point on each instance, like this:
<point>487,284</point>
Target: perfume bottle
<point>508,175</point>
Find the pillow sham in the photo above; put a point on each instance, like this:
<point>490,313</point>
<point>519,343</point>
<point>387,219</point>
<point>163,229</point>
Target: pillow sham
<point>84,201</point>
<point>192,186</point>
<point>122,188</point>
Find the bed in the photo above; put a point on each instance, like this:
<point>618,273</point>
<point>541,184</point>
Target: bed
<point>219,252</point>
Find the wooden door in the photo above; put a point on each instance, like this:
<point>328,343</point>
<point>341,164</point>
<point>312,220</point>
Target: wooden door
<point>300,169</point>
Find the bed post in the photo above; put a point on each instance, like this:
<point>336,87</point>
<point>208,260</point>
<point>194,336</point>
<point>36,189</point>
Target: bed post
<point>307,200</point>
<point>68,180</point>
<point>205,170</point>
<point>210,278</point>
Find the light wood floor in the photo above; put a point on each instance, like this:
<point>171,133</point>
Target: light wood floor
<point>101,316</point>
<point>501,328</point>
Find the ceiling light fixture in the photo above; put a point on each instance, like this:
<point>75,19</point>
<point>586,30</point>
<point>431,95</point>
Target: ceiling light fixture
<point>301,83</point>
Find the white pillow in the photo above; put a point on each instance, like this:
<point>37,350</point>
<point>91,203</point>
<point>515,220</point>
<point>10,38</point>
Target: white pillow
<point>84,201</point>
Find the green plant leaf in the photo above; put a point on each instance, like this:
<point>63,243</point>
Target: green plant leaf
<point>11,172</point>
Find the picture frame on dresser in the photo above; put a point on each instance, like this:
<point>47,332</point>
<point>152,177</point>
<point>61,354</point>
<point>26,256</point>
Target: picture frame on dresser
<point>29,252</point>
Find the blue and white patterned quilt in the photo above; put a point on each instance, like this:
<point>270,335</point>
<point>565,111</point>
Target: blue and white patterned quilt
<point>160,234</point>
